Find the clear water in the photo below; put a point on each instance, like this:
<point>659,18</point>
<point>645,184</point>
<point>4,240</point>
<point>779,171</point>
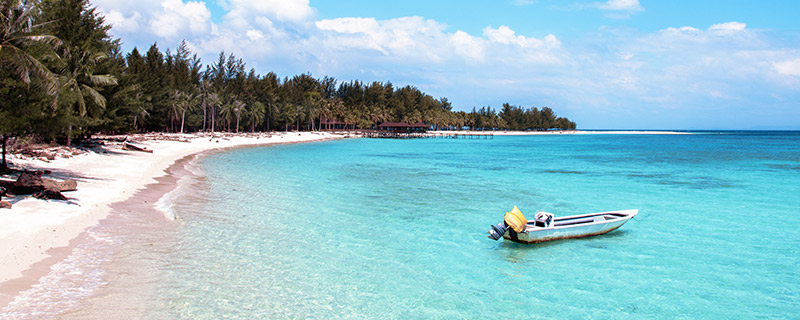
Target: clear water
<point>396,229</point>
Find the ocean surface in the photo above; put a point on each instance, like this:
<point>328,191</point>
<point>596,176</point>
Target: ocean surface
<point>377,229</point>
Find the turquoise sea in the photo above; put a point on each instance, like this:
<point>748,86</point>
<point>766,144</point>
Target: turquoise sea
<point>376,229</point>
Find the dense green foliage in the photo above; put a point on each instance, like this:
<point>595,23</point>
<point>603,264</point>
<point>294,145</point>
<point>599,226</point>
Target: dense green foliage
<point>62,76</point>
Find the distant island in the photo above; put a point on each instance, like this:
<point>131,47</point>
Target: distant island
<point>64,77</point>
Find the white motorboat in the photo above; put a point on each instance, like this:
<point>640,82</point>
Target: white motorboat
<point>546,227</point>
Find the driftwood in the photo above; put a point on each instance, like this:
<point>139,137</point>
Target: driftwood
<point>51,194</point>
<point>66,185</point>
<point>130,147</point>
<point>28,182</point>
<point>31,182</point>
<point>4,204</point>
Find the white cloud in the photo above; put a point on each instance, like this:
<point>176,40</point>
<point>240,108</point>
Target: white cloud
<point>166,19</point>
<point>406,37</point>
<point>120,22</point>
<point>349,25</point>
<point>285,10</point>
<point>522,2</point>
<point>789,67</point>
<point>467,46</point>
<point>505,35</point>
<point>621,5</point>
<point>255,35</point>
<point>177,16</point>
<point>728,28</point>
<point>410,40</point>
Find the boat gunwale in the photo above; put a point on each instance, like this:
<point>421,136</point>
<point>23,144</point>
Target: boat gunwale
<point>628,214</point>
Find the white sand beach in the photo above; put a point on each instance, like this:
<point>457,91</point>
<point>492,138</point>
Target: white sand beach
<point>35,231</point>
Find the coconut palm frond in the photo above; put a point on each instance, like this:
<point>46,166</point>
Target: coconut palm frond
<point>81,105</point>
<point>25,65</point>
<point>97,98</point>
<point>49,40</point>
<point>97,57</point>
<point>103,80</point>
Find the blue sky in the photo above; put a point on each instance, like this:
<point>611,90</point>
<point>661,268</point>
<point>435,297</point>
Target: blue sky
<point>618,64</point>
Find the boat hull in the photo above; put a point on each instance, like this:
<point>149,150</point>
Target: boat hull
<point>572,227</point>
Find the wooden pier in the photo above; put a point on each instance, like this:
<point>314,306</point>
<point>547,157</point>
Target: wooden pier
<point>424,135</point>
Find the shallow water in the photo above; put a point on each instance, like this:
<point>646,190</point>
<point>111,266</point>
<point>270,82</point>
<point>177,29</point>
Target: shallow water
<point>369,228</point>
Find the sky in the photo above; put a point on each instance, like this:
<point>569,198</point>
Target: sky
<point>618,64</point>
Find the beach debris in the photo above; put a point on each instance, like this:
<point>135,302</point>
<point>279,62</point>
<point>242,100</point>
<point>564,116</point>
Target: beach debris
<point>49,194</point>
<point>66,185</point>
<point>5,205</point>
<point>131,147</point>
<point>28,182</point>
<point>32,182</point>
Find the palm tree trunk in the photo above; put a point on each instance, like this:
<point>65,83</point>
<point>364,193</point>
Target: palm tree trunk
<point>183,116</point>
<point>212,119</point>
<point>4,165</point>
<point>69,134</point>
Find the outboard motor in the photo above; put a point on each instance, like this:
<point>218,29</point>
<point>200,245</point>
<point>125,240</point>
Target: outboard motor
<point>498,231</point>
<point>513,219</point>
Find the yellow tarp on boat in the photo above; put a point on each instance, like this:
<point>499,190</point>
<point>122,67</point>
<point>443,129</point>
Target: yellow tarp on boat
<point>516,220</point>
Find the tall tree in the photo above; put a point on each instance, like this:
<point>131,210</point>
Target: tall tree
<point>79,83</point>
<point>22,44</point>
<point>81,69</point>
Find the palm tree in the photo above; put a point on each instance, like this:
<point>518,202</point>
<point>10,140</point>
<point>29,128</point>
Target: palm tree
<point>205,91</point>
<point>231,110</point>
<point>78,82</point>
<point>214,102</point>
<point>238,106</point>
<point>257,112</point>
<point>18,35</point>
<point>181,101</point>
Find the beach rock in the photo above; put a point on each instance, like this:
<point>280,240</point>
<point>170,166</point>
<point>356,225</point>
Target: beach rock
<point>49,194</point>
<point>5,205</point>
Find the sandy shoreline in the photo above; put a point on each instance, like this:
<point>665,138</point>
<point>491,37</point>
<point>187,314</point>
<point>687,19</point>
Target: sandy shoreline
<point>36,233</point>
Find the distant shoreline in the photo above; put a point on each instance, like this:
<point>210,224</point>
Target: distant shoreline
<point>535,133</point>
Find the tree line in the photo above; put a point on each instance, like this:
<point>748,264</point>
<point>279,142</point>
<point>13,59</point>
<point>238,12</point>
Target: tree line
<point>63,76</point>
